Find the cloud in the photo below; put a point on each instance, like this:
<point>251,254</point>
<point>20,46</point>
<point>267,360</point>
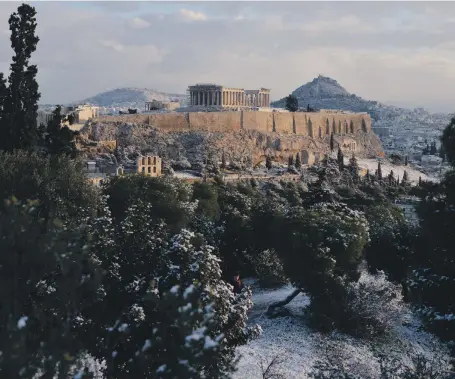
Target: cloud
<point>400,51</point>
<point>112,44</point>
<point>139,23</point>
<point>190,15</point>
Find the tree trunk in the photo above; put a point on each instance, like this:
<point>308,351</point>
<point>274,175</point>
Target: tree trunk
<point>282,303</point>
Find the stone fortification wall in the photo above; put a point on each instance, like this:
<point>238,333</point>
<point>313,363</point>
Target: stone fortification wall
<point>312,124</point>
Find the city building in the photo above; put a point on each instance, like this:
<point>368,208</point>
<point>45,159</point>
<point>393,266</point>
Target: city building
<point>217,96</point>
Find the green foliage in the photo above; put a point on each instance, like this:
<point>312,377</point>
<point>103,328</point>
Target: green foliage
<point>59,139</point>
<point>48,278</point>
<point>391,242</point>
<point>166,300</point>
<point>298,162</point>
<point>18,119</point>
<point>354,168</point>
<point>268,162</point>
<point>321,249</point>
<point>170,196</point>
<point>292,103</point>
<point>58,183</point>
<point>379,171</point>
<point>207,197</point>
<point>269,269</point>
<point>340,159</point>
<point>448,141</point>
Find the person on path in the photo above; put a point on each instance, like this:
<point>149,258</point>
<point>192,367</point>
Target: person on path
<point>237,284</point>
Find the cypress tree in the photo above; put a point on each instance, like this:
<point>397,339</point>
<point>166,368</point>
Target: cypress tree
<point>379,171</point>
<point>3,90</point>
<point>298,163</point>
<point>268,162</point>
<point>223,161</point>
<point>405,179</point>
<point>420,181</point>
<point>18,121</point>
<point>406,160</point>
<point>290,161</point>
<point>331,142</point>
<point>340,159</point>
<point>391,178</point>
<point>59,138</point>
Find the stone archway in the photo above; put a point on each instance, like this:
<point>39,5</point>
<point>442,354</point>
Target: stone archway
<point>305,157</point>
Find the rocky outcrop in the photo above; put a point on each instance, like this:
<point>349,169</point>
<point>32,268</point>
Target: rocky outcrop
<point>243,148</point>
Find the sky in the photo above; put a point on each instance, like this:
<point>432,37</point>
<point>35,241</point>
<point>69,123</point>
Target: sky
<point>399,53</point>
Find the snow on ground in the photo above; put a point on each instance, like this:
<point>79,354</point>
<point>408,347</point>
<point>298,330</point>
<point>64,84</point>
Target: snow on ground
<point>291,337</point>
<point>386,167</point>
<point>186,175</point>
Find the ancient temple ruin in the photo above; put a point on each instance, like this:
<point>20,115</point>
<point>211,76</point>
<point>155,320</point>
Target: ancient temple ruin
<point>217,96</point>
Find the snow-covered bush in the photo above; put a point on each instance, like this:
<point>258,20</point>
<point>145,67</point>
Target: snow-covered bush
<point>48,277</point>
<point>167,311</point>
<point>376,303</point>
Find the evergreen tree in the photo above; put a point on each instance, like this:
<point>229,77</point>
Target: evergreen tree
<point>420,181</point>
<point>354,168</point>
<point>426,151</point>
<point>49,276</point>
<point>448,141</point>
<point>405,179</point>
<point>223,161</point>
<point>18,121</point>
<point>433,149</point>
<point>291,161</point>
<point>59,138</point>
<point>340,159</point>
<point>397,183</point>
<point>331,142</point>
<point>379,171</point>
<point>3,92</point>
<point>406,160</point>
<point>298,163</point>
<point>268,162</point>
<point>292,103</point>
<point>391,178</point>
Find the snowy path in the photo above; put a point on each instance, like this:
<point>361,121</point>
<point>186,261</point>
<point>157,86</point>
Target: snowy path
<point>290,336</point>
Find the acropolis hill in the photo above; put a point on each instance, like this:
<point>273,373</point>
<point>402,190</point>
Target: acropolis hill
<point>241,125</point>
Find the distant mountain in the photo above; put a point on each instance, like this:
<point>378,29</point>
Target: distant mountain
<point>326,93</point>
<point>123,98</point>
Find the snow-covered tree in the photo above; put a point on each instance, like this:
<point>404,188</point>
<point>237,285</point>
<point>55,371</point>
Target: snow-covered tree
<point>49,276</point>
<point>321,249</point>
<point>167,311</point>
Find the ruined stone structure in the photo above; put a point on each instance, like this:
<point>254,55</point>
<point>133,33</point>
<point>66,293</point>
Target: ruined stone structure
<point>245,137</point>
<point>213,95</point>
<point>157,105</point>
<point>149,165</point>
<point>312,124</point>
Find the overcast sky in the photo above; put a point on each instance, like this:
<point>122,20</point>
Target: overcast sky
<point>401,53</point>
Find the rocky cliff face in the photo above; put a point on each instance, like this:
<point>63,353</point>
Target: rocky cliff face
<point>245,148</point>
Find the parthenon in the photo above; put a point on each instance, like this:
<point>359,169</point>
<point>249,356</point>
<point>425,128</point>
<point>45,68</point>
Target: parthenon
<point>213,95</point>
